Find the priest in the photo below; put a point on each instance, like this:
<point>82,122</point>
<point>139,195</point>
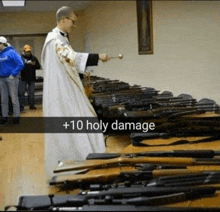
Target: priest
<point>63,93</point>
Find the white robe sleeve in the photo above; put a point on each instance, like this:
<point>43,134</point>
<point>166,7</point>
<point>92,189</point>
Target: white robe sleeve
<point>80,61</point>
<point>67,55</point>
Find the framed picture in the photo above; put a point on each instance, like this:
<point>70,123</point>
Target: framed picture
<point>145,26</point>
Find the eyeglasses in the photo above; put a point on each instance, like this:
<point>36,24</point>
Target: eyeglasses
<point>73,21</point>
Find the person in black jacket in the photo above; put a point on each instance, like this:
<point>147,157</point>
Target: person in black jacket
<point>27,80</point>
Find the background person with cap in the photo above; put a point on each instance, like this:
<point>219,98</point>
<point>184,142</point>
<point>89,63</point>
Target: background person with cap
<point>10,66</point>
<point>27,80</point>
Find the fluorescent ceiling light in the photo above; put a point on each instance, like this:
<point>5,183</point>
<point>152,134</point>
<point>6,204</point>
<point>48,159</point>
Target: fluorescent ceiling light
<point>18,3</point>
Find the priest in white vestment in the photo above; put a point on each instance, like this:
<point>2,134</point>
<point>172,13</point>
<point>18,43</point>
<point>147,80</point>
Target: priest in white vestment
<point>64,96</point>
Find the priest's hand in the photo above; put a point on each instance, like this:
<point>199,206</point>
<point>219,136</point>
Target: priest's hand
<point>104,57</point>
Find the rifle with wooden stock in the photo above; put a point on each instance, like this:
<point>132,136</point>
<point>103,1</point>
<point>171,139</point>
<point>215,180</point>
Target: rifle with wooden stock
<point>72,165</point>
<point>76,179</point>
<point>141,171</point>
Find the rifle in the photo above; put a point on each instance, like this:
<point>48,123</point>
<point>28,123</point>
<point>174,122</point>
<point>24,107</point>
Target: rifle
<point>185,179</point>
<point>143,171</point>
<point>173,153</point>
<point>140,100</point>
<point>110,88</point>
<point>150,114</point>
<point>136,138</point>
<point>181,142</point>
<point>72,165</point>
<point>130,196</point>
<point>73,180</point>
<point>133,90</point>
<point>115,207</point>
<point>200,179</point>
<point>143,112</point>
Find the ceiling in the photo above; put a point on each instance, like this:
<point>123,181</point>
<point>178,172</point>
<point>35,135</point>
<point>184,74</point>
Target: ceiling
<point>46,5</point>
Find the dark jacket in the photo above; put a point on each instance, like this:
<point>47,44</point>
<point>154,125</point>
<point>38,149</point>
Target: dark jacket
<point>28,73</point>
<point>10,62</point>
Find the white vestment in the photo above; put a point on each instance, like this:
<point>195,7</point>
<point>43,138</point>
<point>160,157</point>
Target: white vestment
<point>64,96</point>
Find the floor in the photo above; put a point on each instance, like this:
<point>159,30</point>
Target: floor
<point>21,159</point>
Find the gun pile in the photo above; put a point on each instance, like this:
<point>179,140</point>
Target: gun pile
<point>144,184</point>
<point>147,180</point>
<point>115,99</point>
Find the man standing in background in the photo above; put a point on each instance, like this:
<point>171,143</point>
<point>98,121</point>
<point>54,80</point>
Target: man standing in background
<point>28,75</point>
<point>10,66</point>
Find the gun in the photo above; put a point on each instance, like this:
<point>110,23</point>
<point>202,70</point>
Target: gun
<point>136,138</point>
<point>204,177</point>
<point>129,177</point>
<point>149,196</point>
<point>73,180</point>
<point>169,113</point>
<point>111,87</point>
<point>136,208</point>
<point>72,165</point>
<point>173,153</point>
<point>177,179</point>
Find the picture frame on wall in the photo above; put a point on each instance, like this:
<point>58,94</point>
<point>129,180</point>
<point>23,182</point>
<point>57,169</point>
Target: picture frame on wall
<point>145,26</point>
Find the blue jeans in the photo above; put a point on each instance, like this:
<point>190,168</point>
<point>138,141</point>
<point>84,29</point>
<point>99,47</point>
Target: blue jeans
<point>9,87</point>
<point>30,86</point>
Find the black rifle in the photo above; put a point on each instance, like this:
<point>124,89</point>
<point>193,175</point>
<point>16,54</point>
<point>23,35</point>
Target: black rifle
<point>183,141</point>
<point>203,178</point>
<point>173,153</point>
<point>136,208</point>
<point>128,196</point>
<point>75,180</point>
<point>136,138</point>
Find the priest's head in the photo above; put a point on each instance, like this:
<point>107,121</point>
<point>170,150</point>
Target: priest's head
<point>66,19</point>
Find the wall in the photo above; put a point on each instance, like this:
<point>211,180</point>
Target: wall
<point>186,45</point>
<point>34,23</point>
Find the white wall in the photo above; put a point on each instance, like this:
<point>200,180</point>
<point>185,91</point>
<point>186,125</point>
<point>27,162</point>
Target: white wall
<point>186,45</point>
<point>186,42</point>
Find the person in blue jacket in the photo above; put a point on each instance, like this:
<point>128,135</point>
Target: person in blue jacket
<point>10,66</point>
